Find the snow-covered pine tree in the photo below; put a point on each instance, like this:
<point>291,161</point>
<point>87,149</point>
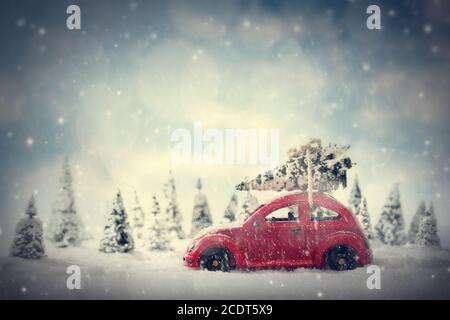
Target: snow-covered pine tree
<point>172,210</point>
<point>28,240</point>
<point>158,234</point>
<point>354,203</point>
<point>427,232</point>
<point>138,224</point>
<point>201,217</point>
<point>249,205</point>
<point>117,235</point>
<point>231,210</point>
<point>328,169</point>
<point>414,228</point>
<point>65,226</point>
<point>391,227</point>
<point>365,220</point>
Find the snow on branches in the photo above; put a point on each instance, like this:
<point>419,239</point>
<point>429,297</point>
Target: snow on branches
<point>28,241</point>
<point>66,228</point>
<point>328,170</point>
<point>158,236</point>
<point>201,216</point>
<point>117,235</point>
<point>390,229</point>
<point>172,209</point>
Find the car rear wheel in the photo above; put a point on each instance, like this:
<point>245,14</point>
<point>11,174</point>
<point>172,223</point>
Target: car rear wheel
<point>215,260</point>
<point>341,258</point>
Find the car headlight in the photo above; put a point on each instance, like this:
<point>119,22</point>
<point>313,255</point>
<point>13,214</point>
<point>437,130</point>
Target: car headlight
<point>191,246</point>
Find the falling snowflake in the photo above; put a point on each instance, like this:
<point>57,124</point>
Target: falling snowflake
<point>21,22</point>
<point>434,49</point>
<point>133,5</point>
<point>366,67</point>
<point>30,141</point>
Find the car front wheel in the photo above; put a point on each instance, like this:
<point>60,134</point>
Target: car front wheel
<point>215,260</point>
<point>341,258</point>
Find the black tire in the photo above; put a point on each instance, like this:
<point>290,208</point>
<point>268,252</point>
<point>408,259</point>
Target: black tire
<point>215,260</point>
<point>340,258</point>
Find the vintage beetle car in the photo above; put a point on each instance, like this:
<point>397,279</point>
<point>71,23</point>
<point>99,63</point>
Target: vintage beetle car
<point>287,233</point>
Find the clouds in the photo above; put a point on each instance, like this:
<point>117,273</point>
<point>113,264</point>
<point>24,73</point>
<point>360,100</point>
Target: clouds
<point>400,98</point>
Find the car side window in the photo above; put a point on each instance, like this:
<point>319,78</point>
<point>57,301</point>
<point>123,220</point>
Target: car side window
<point>318,213</point>
<point>283,214</point>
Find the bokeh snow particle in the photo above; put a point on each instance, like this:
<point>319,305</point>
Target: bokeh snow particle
<point>21,22</point>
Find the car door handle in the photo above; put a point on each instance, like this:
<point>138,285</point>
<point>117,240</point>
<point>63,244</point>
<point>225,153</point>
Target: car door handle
<point>295,230</point>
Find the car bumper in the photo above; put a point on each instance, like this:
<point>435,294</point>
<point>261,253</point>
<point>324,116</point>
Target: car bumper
<point>190,260</point>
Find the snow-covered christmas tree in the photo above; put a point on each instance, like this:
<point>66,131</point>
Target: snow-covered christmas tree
<point>138,225</point>
<point>65,226</point>
<point>158,234</point>
<point>117,235</point>
<point>231,210</point>
<point>172,210</point>
<point>414,228</point>
<point>327,165</point>
<point>427,232</point>
<point>365,220</point>
<point>201,217</point>
<point>391,227</point>
<point>249,205</point>
<point>28,240</point>
<point>354,203</point>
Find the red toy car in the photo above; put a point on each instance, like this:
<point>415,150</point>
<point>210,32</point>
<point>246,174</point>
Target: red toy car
<point>285,233</point>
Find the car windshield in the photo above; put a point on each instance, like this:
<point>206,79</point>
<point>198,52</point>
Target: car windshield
<point>254,212</point>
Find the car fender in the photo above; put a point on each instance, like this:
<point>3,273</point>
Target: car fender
<point>338,238</point>
<point>221,241</point>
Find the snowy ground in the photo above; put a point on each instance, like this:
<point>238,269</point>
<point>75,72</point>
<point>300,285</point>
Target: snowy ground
<point>407,273</point>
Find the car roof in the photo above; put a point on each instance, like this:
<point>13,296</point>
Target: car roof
<point>302,196</point>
